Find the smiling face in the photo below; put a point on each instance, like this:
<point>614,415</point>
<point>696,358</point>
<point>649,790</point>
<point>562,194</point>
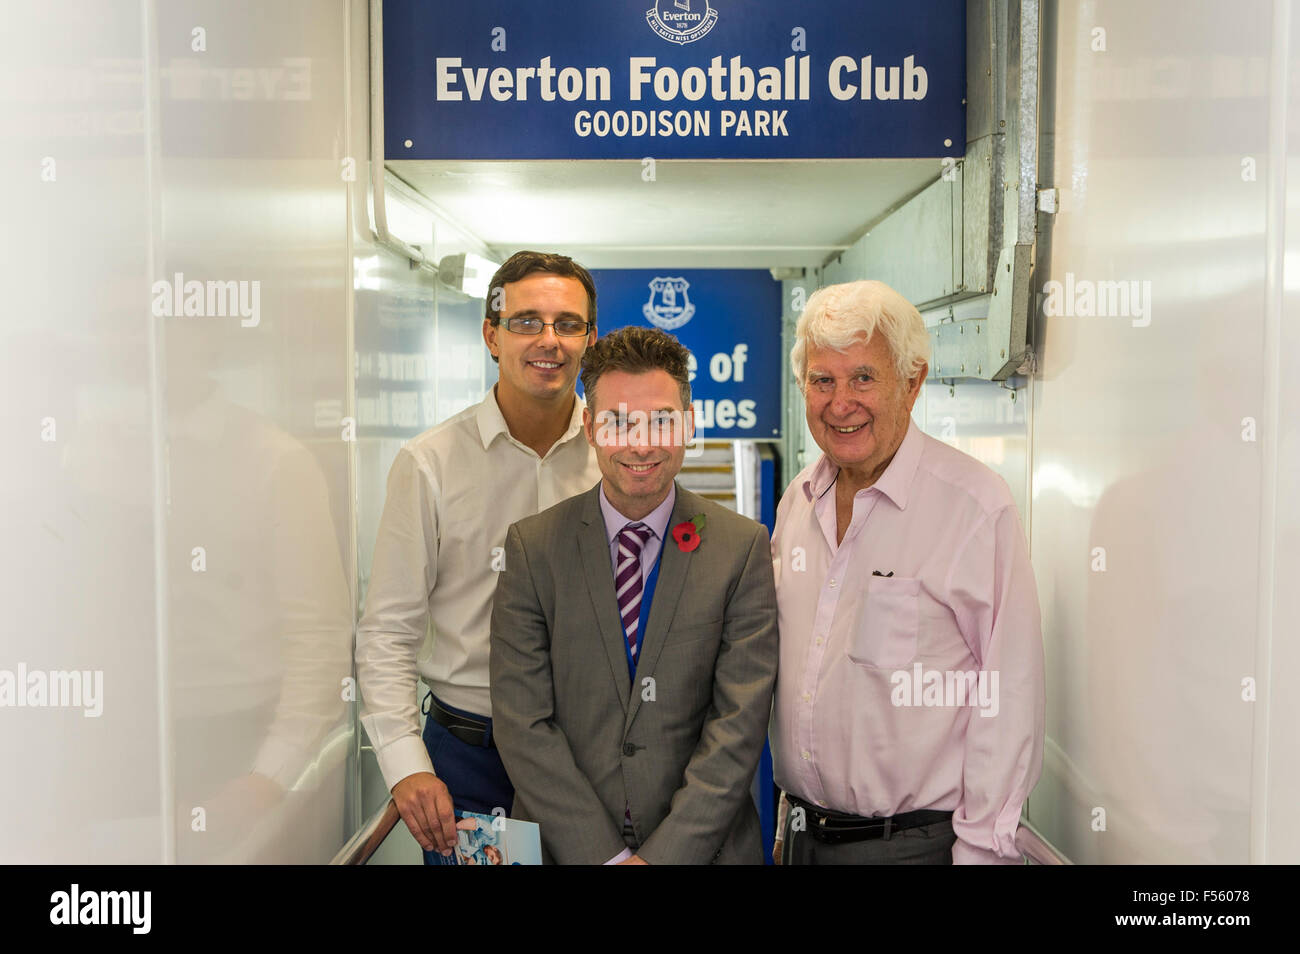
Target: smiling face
<point>540,367</point>
<point>639,431</point>
<point>858,406</point>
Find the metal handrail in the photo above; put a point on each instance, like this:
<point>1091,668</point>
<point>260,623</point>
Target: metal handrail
<point>369,836</point>
<point>1036,848</point>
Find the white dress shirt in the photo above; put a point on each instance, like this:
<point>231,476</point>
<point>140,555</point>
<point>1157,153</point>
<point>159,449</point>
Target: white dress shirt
<point>453,492</point>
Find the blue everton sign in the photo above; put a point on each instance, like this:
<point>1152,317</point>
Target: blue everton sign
<point>730,321</point>
<point>674,79</point>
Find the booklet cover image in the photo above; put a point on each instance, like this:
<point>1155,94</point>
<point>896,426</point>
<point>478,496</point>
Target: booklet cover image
<point>496,840</point>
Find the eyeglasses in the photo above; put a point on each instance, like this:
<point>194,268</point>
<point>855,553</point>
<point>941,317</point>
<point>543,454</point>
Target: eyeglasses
<point>569,327</point>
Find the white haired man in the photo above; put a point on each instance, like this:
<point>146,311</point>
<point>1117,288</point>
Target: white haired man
<point>908,721</point>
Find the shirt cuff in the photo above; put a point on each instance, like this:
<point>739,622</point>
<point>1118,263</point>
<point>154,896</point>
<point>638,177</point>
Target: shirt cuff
<point>403,757</point>
<point>964,853</point>
<point>623,855</point>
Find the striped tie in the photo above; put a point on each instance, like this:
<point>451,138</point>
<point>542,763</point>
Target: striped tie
<point>627,580</point>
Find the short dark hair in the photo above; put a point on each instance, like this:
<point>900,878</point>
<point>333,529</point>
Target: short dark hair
<point>637,350</point>
<point>522,264</point>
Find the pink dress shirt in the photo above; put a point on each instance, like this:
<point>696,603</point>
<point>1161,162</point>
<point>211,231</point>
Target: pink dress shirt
<point>881,707</point>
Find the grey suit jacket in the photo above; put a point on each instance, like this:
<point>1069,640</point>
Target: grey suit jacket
<point>579,741</point>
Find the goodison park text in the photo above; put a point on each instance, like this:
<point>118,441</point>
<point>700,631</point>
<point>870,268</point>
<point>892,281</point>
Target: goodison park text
<point>847,78</point>
<point>666,122</point>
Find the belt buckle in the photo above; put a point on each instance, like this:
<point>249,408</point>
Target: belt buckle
<point>830,835</point>
<point>823,833</point>
<point>826,834</point>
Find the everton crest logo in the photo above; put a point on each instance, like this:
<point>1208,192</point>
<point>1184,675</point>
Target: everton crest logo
<point>670,305</point>
<point>681,21</point>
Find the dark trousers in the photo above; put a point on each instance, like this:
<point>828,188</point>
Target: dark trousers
<point>473,774</point>
<point>926,845</point>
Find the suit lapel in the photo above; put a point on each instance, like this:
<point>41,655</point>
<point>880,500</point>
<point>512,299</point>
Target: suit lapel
<point>598,573</point>
<point>673,566</point>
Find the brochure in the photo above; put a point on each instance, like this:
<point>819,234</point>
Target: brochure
<point>496,840</point>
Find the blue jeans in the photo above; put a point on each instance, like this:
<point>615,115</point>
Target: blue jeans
<point>473,774</point>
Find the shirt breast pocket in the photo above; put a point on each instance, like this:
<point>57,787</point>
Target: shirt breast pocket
<point>886,631</point>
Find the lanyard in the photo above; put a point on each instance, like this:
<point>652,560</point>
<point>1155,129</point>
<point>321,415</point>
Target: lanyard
<point>647,595</point>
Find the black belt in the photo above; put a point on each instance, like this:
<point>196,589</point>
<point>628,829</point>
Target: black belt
<point>469,731</point>
<point>836,828</point>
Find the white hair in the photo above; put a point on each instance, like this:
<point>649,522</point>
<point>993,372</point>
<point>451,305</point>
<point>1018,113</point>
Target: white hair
<point>838,316</point>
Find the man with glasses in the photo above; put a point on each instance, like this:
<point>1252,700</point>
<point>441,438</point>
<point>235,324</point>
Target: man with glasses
<point>452,493</point>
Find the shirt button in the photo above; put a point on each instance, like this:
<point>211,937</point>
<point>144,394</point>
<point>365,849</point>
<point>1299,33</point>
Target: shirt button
<point>819,640</point>
<point>832,582</point>
<point>805,755</point>
<point>807,697</point>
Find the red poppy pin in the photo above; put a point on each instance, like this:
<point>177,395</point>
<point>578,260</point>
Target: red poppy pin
<point>688,532</point>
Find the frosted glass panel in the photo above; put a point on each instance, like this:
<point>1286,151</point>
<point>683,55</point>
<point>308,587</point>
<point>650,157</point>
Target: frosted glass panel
<point>176,315</point>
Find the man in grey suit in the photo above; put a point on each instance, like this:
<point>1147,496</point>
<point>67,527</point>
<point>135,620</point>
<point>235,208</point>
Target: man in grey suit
<point>633,649</point>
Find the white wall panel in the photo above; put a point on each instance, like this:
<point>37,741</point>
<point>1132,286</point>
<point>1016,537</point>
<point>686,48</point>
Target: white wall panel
<point>1275,828</point>
<point>1137,446</point>
<point>78,511</point>
<point>188,533</point>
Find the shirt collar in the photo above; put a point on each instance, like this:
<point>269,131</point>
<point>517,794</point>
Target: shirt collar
<point>895,483</point>
<point>657,519</point>
<point>820,480</point>
<point>492,423</point>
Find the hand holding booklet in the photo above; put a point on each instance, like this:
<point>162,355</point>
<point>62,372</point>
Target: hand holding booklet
<point>496,840</point>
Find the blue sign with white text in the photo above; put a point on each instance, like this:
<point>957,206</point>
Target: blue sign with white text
<point>674,79</point>
<point>730,321</point>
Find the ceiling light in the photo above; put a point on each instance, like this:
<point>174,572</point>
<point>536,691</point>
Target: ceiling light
<point>468,273</point>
